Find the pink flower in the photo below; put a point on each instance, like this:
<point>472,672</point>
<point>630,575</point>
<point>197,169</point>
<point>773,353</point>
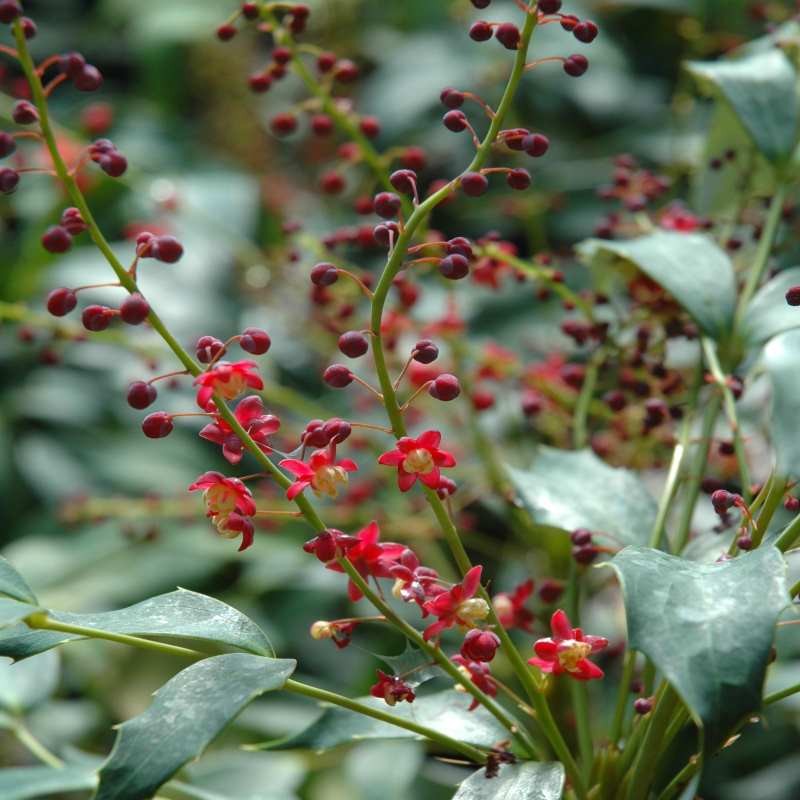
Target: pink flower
<point>228,380</point>
<point>510,607</point>
<point>322,473</point>
<point>567,650</point>
<point>480,674</point>
<point>413,582</point>
<point>368,556</point>
<point>231,525</point>
<point>229,504</point>
<point>457,606</point>
<point>418,458</point>
<point>392,689</point>
<point>253,418</point>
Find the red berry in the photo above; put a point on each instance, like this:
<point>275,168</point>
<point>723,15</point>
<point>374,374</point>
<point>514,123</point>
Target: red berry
<point>332,182</point>
<point>370,127</point>
<point>259,82</point>
<point>345,71</point>
<point>576,65</point>
<point>550,590</point>
<point>166,248</point>
<point>89,79</point>
<point>404,180</point>
<point>283,124</point>
<point>482,399</point>
<point>536,144</point>
<point>157,425</point>
<point>386,233</point>
<point>61,301</point>
<point>250,10</point>
<point>615,400</point>
<point>387,204</point>
<point>24,113</point>
<point>481,4</point>
<point>29,29</point>
<point>96,318</point>
<point>226,32</point>
<point>532,403</point>
<point>519,179</point>
<point>480,31</point>
<point>338,376</point>
<point>56,240</point>
<point>9,178</point>
<point>326,61</point>
<point>324,274</point>
<point>425,352</point>
<point>141,394</point>
<point>722,500</point>
<point>414,158</point>
<point>792,503</point>
<point>445,387</point>
<point>548,6</point>
<point>71,63</point>
<point>321,124</point>
<point>585,31</point>
<point>336,430</point>
<point>353,344</point>
<point>455,121</point>
<point>9,11</point>
<point>643,705</point>
<point>480,645</point>
<point>134,309</point>
<point>744,542</point>
<point>208,348</point>
<point>7,144</point>
<point>793,296</point>
<point>569,21</point>
<point>281,55</point>
<point>451,98</point>
<point>581,536</point>
<point>460,245</point>
<point>508,35</point>
<point>474,184</point>
<point>584,554</point>
<point>454,267</point>
<point>255,341</point>
<point>113,164</point>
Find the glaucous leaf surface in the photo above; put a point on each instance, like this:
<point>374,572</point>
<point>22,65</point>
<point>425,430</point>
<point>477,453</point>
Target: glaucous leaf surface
<point>527,780</point>
<point>690,266</point>
<point>186,715</point>
<point>12,584</point>
<point>12,611</point>
<point>570,489</point>
<point>26,683</point>
<point>707,627</point>
<point>180,614</point>
<point>782,362</point>
<point>23,783</point>
<point>768,313</point>
<point>761,90</point>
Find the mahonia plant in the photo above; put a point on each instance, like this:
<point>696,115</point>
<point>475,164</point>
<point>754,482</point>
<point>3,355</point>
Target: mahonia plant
<point>700,633</point>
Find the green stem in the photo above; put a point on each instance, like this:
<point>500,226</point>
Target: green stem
<point>683,777</point>
<point>775,696</point>
<point>623,697</point>
<point>788,535</point>
<point>580,434</point>
<point>27,739</point>
<point>698,466</point>
<point>710,352</point>
<point>472,753</point>
<point>773,499</point>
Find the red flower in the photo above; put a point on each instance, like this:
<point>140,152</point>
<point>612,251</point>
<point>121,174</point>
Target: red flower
<point>232,525</point>
<point>223,495</point>
<point>368,556</point>
<point>510,607</point>
<point>567,650</point>
<point>228,380</point>
<point>392,689</point>
<point>480,645</point>
<point>252,417</point>
<point>457,606</point>
<point>480,674</point>
<point>322,473</point>
<point>418,458</point>
<point>413,582</point>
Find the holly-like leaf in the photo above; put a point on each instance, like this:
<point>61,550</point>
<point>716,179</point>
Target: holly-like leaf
<point>177,615</point>
<point>768,313</point>
<point>27,683</point>
<point>414,665</point>
<point>12,611</point>
<point>13,585</point>
<point>445,712</point>
<point>707,627</point>
<point>23,783</point>
<point>187,714</point>
<point>570,489</point>
<point>782,361</point>
<point>691,267</point>
<point>760,88</point>
<point>529,780</point>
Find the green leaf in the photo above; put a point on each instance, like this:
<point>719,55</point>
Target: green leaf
<point>12,611</point>
<point>177,615</point>
<point>187,714</point>
<point>528,780</point>
<point>12,584</point>
<point>708,627</point>
<point>445,712</point>
<point>782,362</point>
<point>761,90</point>
<point>415,664</point>
<point>570,489</point>
<point>691,267</point>
<point>21,783</point>
<point>27,683</point>
<point>768,313</point>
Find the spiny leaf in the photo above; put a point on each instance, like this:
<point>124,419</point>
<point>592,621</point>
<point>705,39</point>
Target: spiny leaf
<point>529,780</point>
<point>12,584</point>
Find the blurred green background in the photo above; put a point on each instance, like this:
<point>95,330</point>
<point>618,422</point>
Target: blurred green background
<point>96,516</point>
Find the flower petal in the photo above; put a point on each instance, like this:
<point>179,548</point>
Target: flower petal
<point>560,625</point>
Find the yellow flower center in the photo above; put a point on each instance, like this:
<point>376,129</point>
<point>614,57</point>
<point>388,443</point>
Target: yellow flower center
<point>570,652</point>
<point>220,499</point>
<point>326,479</point>
<point>503,606</point>
<point>231,388</point>
<point>420,461</point>
<point>223,530</point>
<point>473,610</point>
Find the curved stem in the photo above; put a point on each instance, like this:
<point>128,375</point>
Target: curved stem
<point>623,697</point>
<point>26,738</point>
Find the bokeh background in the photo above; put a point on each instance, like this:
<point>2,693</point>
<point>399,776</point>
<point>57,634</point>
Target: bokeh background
<point>96,516</point>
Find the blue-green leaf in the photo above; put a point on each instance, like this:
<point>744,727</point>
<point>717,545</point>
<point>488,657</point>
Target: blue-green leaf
<point>177,615</point>
<point>782,361</point>
<point>12,611</point>
<point>187,714</point>
<point>570,489</point>
<point>528,780</point>
<point>768,313</point>
<point>12,584</point>
<point>708,627</point>
<point>23,783</point>
<point>25,684</point>
<point>691,267</point>
<point>761,90</point>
